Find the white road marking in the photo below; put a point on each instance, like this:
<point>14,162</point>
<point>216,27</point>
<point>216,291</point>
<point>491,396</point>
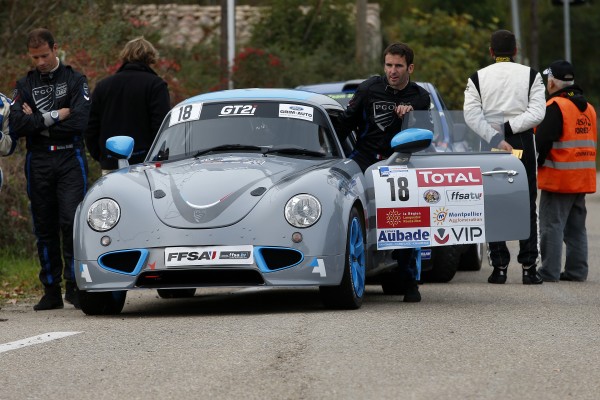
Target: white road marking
<point>46,337</point>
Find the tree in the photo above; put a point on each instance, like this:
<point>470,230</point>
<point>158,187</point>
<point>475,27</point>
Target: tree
<point>448,48</point>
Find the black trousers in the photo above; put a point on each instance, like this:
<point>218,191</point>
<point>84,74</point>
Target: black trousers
<point>56,184</point>
<point>528,248</point>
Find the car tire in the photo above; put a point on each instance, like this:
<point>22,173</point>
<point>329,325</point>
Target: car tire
<point>349,293</point>
<point>102,303</point>
<point>472,257</point>
<point>176,293</point>
<point>444,264</point>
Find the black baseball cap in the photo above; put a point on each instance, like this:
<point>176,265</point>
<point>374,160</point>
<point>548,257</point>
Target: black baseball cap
<point>561,69</point>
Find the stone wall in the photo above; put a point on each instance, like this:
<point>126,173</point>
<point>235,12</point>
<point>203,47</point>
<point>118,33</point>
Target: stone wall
<point>188,25</point>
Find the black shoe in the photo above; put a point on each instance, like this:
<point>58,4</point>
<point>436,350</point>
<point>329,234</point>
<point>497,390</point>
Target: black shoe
<point>411,294</point>
<point>498,275</point>
<point>72,294</point>
<point>531,276</point>
<point>51,300</point>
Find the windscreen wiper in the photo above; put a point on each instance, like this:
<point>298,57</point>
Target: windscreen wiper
<point>225,147</point>
<point>294,150</point>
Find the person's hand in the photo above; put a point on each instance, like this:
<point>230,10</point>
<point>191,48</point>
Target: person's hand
<point>26,109</point>
<point>503,145</point>
<point>64,113</point>
<point>402,110</point>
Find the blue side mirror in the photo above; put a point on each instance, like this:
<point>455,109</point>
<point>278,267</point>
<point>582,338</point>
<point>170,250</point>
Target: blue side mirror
<point>411,140</point>
<point>120,147</point>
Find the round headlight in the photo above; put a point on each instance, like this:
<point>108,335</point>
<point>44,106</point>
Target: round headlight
<point>302,210</point>
<point>103,215</point>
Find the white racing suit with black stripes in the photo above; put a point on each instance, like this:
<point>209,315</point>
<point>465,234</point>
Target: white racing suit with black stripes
<point>505,101</point>
<point>56,166</point>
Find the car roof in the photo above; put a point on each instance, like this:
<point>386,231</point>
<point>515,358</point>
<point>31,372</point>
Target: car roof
<point>264,94</point>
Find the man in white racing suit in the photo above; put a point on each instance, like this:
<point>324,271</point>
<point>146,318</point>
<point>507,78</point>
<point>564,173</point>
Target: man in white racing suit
<point>503,103</point>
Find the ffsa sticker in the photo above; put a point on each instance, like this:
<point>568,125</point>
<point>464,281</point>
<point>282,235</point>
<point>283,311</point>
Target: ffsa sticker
<point>185,113</point>
<point>296,111</point>
<point>208,255</point>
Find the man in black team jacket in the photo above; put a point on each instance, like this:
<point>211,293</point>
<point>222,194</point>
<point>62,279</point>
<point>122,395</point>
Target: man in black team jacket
<point>50,108</point>
<point>375,113</point>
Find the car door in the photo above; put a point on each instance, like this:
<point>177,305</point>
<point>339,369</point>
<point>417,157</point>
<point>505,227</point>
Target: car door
<point>452,189</point>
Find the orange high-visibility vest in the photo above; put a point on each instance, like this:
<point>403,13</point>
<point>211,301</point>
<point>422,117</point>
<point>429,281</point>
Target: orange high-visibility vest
<point>570,166</point>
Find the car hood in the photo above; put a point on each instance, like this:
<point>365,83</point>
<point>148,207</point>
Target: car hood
<point>213,192</point>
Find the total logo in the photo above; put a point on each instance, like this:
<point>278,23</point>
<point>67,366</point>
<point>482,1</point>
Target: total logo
<point>449,177</point>
<point>465,234</point>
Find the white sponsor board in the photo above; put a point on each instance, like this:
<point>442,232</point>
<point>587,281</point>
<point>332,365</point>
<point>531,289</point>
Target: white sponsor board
<point>426,207</point>
<point>208,255</point>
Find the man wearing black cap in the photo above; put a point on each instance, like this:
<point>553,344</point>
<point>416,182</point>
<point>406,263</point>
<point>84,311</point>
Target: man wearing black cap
<point>566,141</point>
<point>503,103</point>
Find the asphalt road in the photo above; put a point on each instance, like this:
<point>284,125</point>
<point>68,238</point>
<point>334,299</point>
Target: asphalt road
<point>467,339</point>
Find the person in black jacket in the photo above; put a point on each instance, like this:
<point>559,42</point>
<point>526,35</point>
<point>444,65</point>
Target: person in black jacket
<point>50,109</point>
<point>132,102</point>
<point>375,113</point>
<point>377,109</point>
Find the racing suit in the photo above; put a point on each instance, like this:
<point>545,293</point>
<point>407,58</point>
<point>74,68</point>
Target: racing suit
<point>371,113</point>
<point>505,101</point>
<point>55,166</point>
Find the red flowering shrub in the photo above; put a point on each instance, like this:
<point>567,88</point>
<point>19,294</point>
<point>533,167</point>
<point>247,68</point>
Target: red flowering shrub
<point>256,68</point>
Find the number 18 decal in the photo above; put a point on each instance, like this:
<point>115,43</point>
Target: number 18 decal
<point>395,187</point>
<point>402,191</point>
<point>185,113</point>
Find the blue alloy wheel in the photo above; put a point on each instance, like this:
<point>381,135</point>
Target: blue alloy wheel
<point>357,257</point>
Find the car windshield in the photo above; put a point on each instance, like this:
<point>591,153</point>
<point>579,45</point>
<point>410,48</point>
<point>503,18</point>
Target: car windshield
<point>196,129</point>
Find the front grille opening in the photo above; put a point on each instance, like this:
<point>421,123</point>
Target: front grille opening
<point>123,261</point>
<point>277,258</point>
<point>199,278</point>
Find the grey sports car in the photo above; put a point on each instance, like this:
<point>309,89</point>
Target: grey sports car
<point>253,188</point>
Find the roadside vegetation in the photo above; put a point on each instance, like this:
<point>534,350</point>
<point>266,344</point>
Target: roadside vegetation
<point>18,277</point>
<point>288,48</point>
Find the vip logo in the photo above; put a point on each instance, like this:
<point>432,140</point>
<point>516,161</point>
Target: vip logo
<point>467,233</point>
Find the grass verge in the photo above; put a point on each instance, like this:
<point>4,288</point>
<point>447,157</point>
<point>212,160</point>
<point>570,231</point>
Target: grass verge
<point>18,278</point>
